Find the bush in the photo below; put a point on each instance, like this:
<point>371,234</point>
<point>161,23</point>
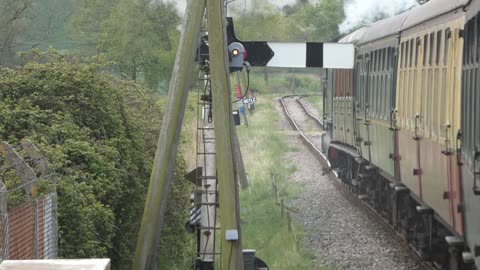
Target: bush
<point>99,133</point>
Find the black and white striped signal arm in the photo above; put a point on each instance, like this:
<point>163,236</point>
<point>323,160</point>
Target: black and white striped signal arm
<point>288,54</point>
<point>195,214</point>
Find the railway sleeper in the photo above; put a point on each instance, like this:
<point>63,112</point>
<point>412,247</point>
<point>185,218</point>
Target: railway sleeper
<point>416,223</point>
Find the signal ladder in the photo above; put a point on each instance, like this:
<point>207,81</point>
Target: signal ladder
<point>203,215</point>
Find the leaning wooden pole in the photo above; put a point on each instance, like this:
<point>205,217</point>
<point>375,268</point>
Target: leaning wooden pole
<point>165,157</point>
<point>231,250</point>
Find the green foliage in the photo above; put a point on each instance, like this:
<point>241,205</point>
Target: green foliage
<point>177,248</point>
<point>28,24</point>
<point>284,82</point>
<point>302,21</point>
<point>13,21</point>
<point>265,22</point>
<point>139,36</point>
<point>100,134</point>
<point>321,20</point>
<point>86,24</point>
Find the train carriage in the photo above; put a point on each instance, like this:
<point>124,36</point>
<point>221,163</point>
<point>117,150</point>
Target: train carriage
<point>343,105</point>
<point>375,93</point>
<point>428,104</point>
<point>470,131</point>
<point>416,127</point>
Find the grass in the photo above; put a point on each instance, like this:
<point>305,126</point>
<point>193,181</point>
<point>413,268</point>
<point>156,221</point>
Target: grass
<point>317,102</point>
<point>280,82</point>
<point>263,229</point>
<point>263,148</point>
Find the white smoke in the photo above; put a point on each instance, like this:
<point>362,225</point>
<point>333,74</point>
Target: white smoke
<point>248,3</point>
<point>181,5</point>
<point>360,12</point>
<point>239,4</point>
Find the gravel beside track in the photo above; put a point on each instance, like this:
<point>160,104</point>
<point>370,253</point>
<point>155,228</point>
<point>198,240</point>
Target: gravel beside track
<point>339,231</point>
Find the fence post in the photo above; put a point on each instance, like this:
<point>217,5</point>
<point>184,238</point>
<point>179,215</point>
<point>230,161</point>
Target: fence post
<point>282,208</point>
<point>289,219</point>
<point>50,251</point>
<point>25,172</point>
<point>4,221</point>
<point>274,188</point>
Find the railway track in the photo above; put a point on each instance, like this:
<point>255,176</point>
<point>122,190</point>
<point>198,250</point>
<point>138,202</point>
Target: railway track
<point>313,147</point>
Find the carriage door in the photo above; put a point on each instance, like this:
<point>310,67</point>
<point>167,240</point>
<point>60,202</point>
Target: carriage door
<point>470,133</point>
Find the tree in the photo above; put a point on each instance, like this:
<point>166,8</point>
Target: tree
<point>86,24</point>
<point>12,22</point>
<point>302,21</point>
<point>321,19</point>
<point>28,24</point>
<point>264,21</point>
<point>141,37</point>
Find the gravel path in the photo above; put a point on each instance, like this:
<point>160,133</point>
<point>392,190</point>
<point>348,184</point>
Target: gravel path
<point>339,231</point>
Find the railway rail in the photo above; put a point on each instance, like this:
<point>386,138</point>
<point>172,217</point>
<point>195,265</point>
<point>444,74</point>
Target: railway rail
<point>333,176</point>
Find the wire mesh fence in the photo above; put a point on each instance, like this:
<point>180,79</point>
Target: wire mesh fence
<point>28,204</point>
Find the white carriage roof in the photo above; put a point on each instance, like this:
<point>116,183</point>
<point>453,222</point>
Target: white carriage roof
<point>473,9</point>
<point>410,18</point>
<point>384,28</point>
<point>355,36</point>
<point>431,10</point>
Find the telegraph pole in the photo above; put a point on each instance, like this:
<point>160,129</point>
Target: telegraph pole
<point>165,157</point>
<point>231,248</point>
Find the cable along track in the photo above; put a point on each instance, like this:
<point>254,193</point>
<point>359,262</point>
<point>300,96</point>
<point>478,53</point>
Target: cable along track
<point>313,143</point>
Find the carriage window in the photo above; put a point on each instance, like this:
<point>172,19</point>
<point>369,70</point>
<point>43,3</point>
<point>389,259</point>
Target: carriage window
<point>377,60</point>
<point>402,57</point>
<point>448,35</point>
<point>432,40</point>
<point>412,43</point>
<point>471,36</point>
<point>425,46</point>
<point>383,59</point>
<point>477,46</point>
<point>388,58</point>
<point>468,53</point>
<point>439,42</point>
<point>417,46</point>
<point>371,63</point>
<point>407,46</point>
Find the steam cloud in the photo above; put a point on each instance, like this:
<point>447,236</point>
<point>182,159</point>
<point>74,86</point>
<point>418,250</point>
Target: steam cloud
<point>181,4</point>
<point>359,12</point>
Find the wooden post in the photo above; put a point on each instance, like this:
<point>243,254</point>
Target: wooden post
<point>242,176</point>
<point>4,221</point>
<point>244,113</point>
<point>165,157</point>
<point>231,251</point>
<point>289,219</point>
<point>282,207</point>
<point>274,188</point>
